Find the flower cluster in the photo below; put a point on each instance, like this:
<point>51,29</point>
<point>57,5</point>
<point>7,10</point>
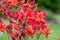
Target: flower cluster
<point>23,22</point>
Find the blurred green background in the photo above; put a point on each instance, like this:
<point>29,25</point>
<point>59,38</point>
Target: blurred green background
<point>52,8</point>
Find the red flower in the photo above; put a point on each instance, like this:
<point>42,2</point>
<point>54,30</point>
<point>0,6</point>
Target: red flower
<point>0,10</point>
<point>4,15</point>
<point>2,26</point>
<point>29,31</point>
<point>13,2</point>
<point>8,1</point>
<point>41,15</point>
<point>46,32</point>
<point>12,35</point>
<point>20,17</point>
<point>17,27</point>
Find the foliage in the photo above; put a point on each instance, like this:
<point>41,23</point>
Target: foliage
<point>54,5</point>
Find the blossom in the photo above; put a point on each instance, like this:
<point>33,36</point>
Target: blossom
<point>46,32</point>
<point>2,26</point>
<point>29,31</point>
<point>12,2</point>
